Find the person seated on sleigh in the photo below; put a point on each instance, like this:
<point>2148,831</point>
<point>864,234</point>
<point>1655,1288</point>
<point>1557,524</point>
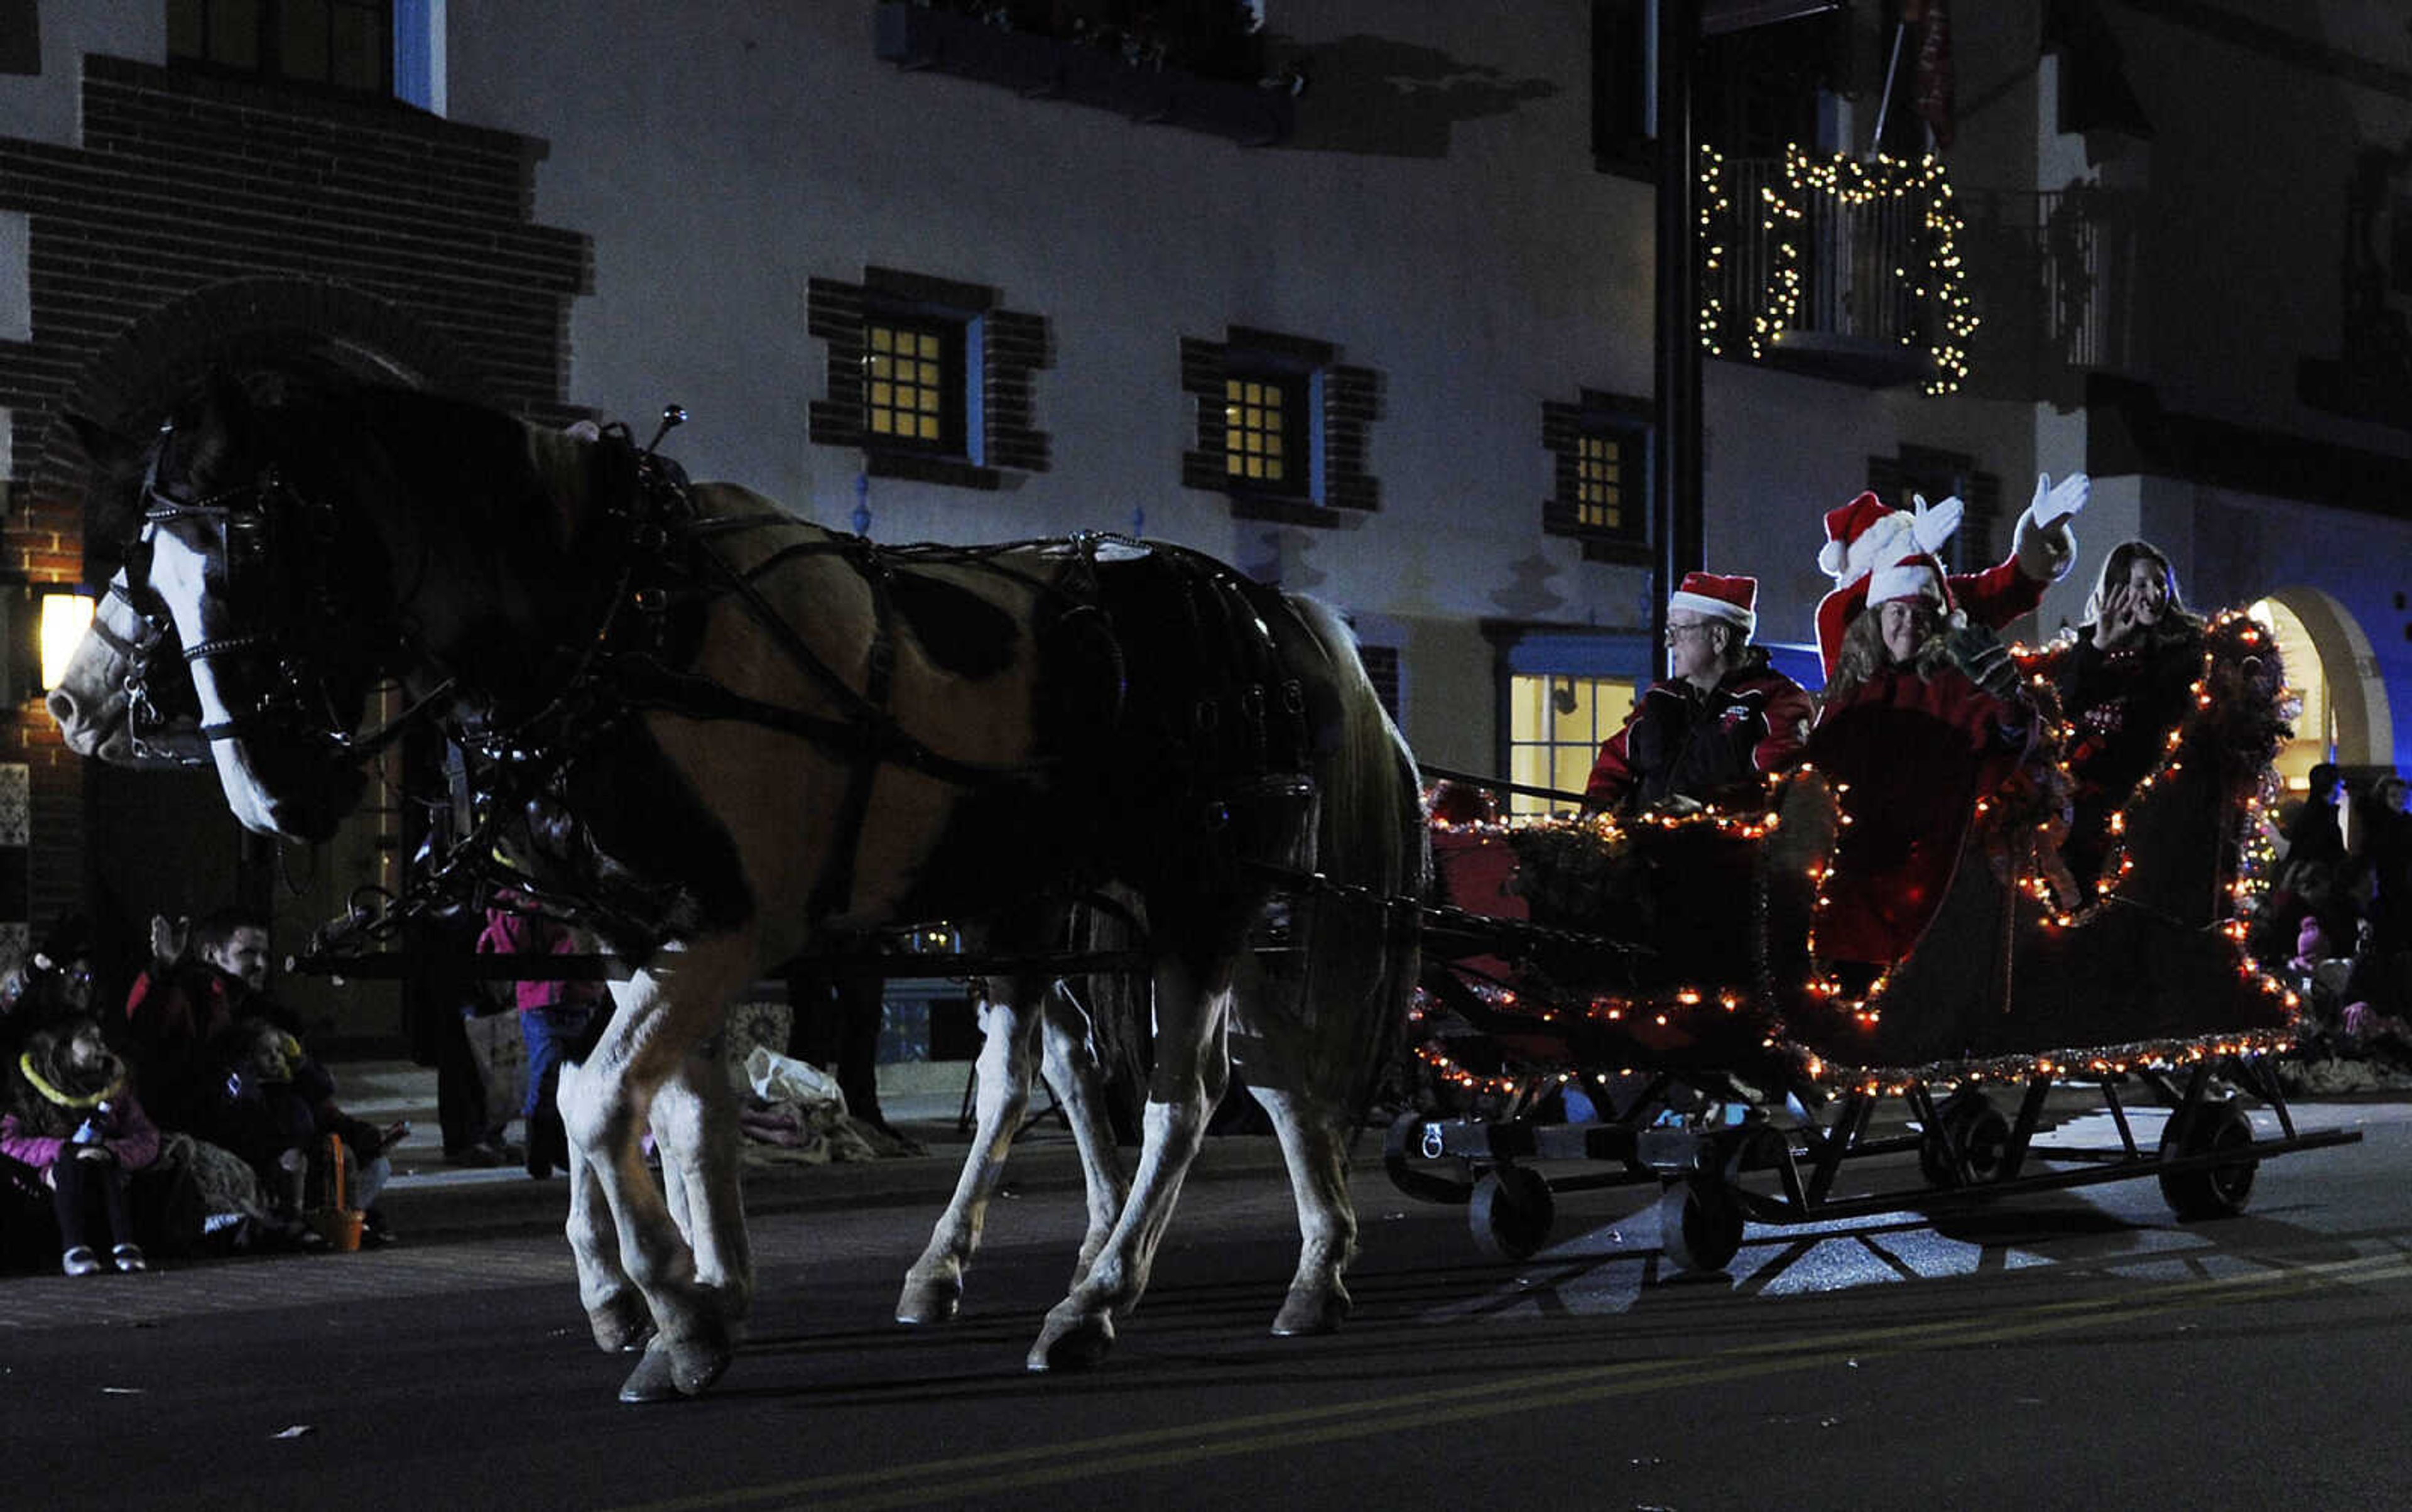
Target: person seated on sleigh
<point>2124,682</point>
<point>1719,724</point>
<point>1864,536</point>
<point>1924,714</point>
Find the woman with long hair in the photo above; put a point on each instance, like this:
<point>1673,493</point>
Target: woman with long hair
<point>2123,685</point>
<point>1922,716</point>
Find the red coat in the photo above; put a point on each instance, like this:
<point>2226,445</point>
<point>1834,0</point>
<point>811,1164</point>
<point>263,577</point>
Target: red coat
<point>1916,754</point>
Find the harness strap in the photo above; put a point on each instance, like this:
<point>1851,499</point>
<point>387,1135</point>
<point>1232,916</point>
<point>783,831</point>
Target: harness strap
<point>202,650</point>
<point>645,683</point>
<point>126,650</point>
<point>836,883</point>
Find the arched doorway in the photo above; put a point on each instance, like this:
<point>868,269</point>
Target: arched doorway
<point>2346,718</point>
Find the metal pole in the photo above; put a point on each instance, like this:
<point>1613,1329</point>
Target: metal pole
<point>1676,478</point>
<point>1884,103</point>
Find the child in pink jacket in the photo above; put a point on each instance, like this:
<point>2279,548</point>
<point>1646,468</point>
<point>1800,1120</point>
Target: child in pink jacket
<point>74,1118</point>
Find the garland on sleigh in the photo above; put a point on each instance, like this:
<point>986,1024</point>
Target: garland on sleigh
<point>1574,869</point>
<point>2236,718</point>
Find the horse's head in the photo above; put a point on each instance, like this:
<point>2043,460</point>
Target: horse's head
<point>125,697</point>
<point>253,546</point>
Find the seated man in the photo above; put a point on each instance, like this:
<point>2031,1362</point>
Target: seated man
<point>1722,720</point>
<point>216,1056</point>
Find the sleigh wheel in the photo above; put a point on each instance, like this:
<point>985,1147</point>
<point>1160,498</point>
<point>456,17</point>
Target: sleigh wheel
<point>1700,1226</point>
<point>1966,1125</point>
<point>1511,1212</point>
<point>2213,1191</point>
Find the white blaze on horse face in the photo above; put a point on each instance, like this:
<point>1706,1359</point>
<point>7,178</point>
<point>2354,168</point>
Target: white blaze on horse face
<point>179,576</point>
<point>88,703</point>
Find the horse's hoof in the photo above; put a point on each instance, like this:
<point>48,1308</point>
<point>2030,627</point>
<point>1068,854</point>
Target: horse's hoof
<point>1078,1345</point>
<point>697,1363</point>
<point>623,1324</point>
<point>929,1302</point>
<point>653,1380</point>
<point>1305,1313</point>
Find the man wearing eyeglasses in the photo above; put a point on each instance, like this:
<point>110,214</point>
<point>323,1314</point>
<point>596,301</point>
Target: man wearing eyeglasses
<point>1718,723</point>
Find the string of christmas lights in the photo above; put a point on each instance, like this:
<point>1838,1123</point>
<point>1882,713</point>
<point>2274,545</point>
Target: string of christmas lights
<point>1940,280</point>
<point>2235,715</point>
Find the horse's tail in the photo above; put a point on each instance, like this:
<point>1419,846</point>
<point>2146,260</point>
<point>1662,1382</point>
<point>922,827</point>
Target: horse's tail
<point>1372,844</point>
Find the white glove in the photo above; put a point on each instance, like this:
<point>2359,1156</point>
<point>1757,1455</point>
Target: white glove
<point>2056,502</point>
<point>1931,526</point>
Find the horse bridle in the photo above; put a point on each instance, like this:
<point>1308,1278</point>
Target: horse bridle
<point>146,719</point>
<point>250,519</point>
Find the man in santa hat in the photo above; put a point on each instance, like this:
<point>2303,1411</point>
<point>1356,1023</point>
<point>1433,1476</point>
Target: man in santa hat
<point>1721,720</point>
<point>1864,536</point>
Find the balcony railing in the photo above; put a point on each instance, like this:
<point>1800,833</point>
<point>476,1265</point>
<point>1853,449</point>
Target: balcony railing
<point>1846,269</point>
<point>1883,276</point>
<point>2056,272</point>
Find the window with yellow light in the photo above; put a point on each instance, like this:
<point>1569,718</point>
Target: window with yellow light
<point>1555,725</point>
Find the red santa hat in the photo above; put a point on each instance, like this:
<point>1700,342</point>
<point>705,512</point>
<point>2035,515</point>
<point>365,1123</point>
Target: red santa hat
<point>1730,600</point>
<point>1876,554</point>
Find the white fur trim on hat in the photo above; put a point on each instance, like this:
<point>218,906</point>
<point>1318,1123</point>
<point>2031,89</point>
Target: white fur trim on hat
<point>1912,577</point>
<point>1716,608</point>
<point>1889,538</point>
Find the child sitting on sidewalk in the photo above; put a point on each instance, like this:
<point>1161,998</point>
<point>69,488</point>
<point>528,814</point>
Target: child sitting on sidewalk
<point>74,1118</point>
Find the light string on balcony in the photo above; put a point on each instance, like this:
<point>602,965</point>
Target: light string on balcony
<point>1846,181</point>
<point>1716,210</point>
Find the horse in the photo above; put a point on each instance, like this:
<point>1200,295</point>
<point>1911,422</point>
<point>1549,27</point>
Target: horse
<point>727,734</point>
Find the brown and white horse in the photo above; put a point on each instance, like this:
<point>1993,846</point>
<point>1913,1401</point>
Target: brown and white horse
<point>728,734</point>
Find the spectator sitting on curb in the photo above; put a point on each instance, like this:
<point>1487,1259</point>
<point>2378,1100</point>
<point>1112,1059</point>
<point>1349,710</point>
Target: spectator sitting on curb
<point>217,1056</point>
<point>74,1117</point>
<point>52,984</point>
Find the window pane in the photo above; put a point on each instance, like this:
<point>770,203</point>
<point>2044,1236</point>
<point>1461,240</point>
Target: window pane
<point>1254,440</point>
<point>911,368</point>
<point>1555,725</point>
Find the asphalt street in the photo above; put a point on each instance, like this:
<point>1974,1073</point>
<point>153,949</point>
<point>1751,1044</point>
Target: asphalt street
<point>2081,1348</point>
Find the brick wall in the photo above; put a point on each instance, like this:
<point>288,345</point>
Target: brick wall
<point>208,221</point>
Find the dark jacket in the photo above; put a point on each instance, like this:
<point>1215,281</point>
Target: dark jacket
<point>1913,752</point>
<point>2122,704</point>
<point>1713,746</point>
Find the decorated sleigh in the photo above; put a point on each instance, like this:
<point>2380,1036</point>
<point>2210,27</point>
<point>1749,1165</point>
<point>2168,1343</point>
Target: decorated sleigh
<point>1703,987</point>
